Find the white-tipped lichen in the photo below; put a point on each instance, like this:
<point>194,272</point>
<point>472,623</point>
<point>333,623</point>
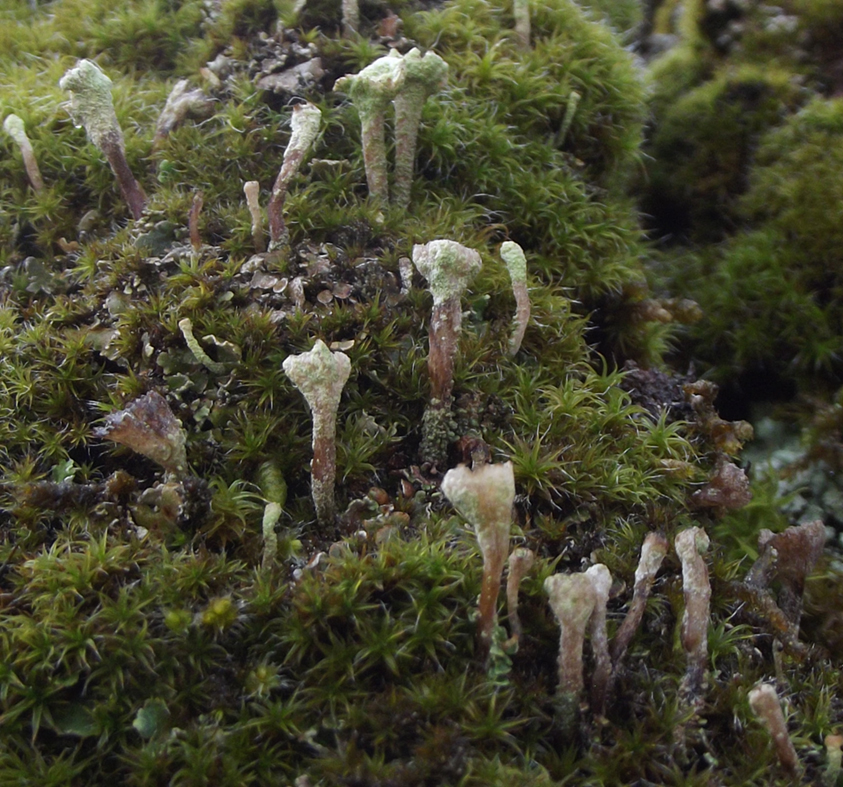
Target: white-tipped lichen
<point>690,544</point>
<point>449,268</point>
<point>766,706</point>
<point>371,91</point>
<point>572,598</point>
<point>91,106</point>
<point>484,496</point>
<point>424,75</point>
<point>321,375</point>
<point>15,128</point>
<point>251,190</point>
<point>601,580</point>
<point>305,126</point>
<point>520,562</point>
<point>516,263</point>
<point>652,553</point>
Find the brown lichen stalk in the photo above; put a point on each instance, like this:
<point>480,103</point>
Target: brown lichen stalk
<point>448,267</point>
<point>520,562</point>
<point>305,124</point>
<point>572,598</point>
<point>14,127</point>
<point>372,90</point>
<point>92,107</point>
<point>652,553</point>
<point>251,190</point>
<point>766,706</point>
<point>601,580</point>
<point>148,426</point>
<point>484,496</point>
<point>788,557</point>
<point>320,375</point>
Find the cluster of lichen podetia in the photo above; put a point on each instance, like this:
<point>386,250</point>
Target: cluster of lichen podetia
<point>91,106</point>
<point>280,656</point>
<point>484,495</point>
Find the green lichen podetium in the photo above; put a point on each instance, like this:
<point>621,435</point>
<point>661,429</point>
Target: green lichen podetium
<point>484,496</point>
<point>91,106</point>
<point>321,375</point>
<point>372,90</point>
<point>90,100</point>
<point>449,268</point>
<point>424,75</point>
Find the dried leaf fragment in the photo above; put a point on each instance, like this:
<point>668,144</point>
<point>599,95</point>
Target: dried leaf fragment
<point>149,427</point>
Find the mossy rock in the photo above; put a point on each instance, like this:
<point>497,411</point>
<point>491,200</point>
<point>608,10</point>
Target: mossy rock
<point>761,289</point>
<point>702,148</point>
<point>147,636</point>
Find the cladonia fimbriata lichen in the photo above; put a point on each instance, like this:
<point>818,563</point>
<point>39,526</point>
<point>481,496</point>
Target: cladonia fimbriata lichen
<point>350,17</point>
<point>181,103</point>
<point>520,562</point>
<point>147,425</point>
<point>186,328</point>
<point>320,375</point>
<point>601,580</point>
<point>91,106</point>
<point>14,127</point>
<point>305,125</point>
<point>689,546</point>
<point>766,706</point>
<point>484,497</point>
<point>372,90</point>
<point>516,263</point>
<point>251,190</point>
<point>424,75</point>
<point>521,12</point>
<point>653,550</point>
<point>572,598</point>
<point>449,268</point>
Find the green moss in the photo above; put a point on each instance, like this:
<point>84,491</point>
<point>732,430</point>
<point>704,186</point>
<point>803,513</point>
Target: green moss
<point>144,641</point>
<point>703,144</point>
<point>769,281</point>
